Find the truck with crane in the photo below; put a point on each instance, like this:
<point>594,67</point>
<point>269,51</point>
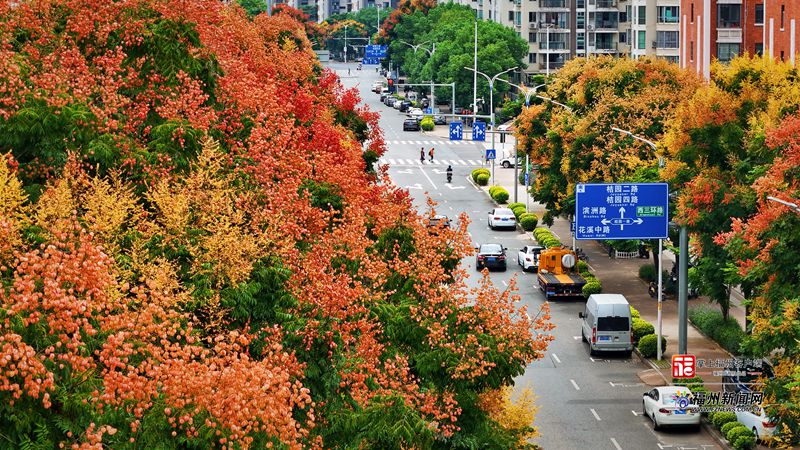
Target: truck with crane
<point>558,275</point>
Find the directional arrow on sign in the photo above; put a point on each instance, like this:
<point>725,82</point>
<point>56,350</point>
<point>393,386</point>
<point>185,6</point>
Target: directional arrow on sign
<point>455,187</point>
<point>416,186</point>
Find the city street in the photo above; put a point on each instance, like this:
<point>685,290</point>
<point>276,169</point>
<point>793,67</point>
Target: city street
<point>584,402</point>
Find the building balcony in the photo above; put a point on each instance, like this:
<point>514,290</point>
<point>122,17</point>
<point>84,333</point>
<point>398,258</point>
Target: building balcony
<point>729,35</point>
<point>554,47</point>
<point>604,47</point>
<point>553,4</point>
<point>606,4</point>
<point>604,26</point>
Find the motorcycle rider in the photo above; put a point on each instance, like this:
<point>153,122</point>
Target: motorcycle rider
<point>449,173</point>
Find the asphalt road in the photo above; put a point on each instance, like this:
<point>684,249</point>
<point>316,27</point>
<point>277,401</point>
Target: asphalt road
<point>584,402</point>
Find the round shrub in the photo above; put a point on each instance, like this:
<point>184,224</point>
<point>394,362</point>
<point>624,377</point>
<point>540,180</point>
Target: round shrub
<point>528,221</point>
<point>648,272</point>
<point>427,123</point>
<point>744,443</point>
<point>550,241</point>
<point>710,415</point>
<point>722,417</point>
<point>492,190</point>
<point>518,211</point>
<point>477,172</point>
<point>500,195</point>
<point>641,328</point>
<point>728,426</point>
<point>483,179</point>
<point>592,286</point>
<point>737,432</point>
<point>634,312</point>
<point>515,205</point>
<point>647,345</point>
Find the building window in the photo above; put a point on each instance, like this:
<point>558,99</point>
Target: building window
<point>642,15</point>
<point>759,50</point>
<point>759,19</point>
<point>672,59</point>
<point>532,58</point>
<point>580,21</point>
<point>729,16</point>
<point>623,38</point>
<point>782,57</point>
<point>511,16</point>
<point>668,14</point>
<point>531,17</point>
<point>783,15</point>
<point>623,15</point>
<point>531,37</point>
<point>581,4</point>
<point>726,52</point>
<point>691,51</point>
<point>691,16</point>
<point>642,40</point>
<point>667,39</point>
<point>580,41</point>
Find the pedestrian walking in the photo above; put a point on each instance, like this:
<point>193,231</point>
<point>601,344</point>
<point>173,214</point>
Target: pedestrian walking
<point>430,153</point>
<point>348,72</point>
<point>422,155</point>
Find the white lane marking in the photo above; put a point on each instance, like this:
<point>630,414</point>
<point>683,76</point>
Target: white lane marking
<point>473,162</point>
<point>635,413</point>
<point>614,441</point>
<point>461,161</point>
<point>555,357</point>
<point>575,385</point>
<point>451,208</point>
<point>505,283</point>
<point>576,337</point>
<point>429,178</point>
<point>594,413</point>
<point>453,163</point>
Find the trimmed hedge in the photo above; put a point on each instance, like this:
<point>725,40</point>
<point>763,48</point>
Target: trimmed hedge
<point>722,417</point>
<point>592,286</point>
<point>518,211</point>
<point>647,345</point>
<point>727,333</point>
<point>634,312</point>
<point>647,272</point>
<point>427,123</point>
<point>528,221</point>
<point>545,237</point>
<point>734,433</point>
<point>582,266</point>
<point>483,179</point>
<point>499,194</point>
<point>744,443</point>
<point>477,172</point>
<point>640,329</point>
<point>512,206</point>
<point>728,427</point>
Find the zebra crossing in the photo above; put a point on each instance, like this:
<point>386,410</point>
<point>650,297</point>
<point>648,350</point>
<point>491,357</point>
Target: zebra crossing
<point>436,162</point>
<point>433,143</point>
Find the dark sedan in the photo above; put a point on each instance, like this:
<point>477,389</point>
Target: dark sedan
<point>491,256</point>
<point>411,125</point>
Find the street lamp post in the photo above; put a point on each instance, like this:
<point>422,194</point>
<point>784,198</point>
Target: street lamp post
<point>491,103</point>
<point>430,55</point>
<point>791,205</point>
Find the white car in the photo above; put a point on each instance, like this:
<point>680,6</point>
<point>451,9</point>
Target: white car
<point>761,425</point>
<point>415,113</point>
<point>528,257</point>
<point>670,405</point>
<point>502,217</point>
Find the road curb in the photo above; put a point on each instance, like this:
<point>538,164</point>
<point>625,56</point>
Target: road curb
<point>652,365</point>
<point>712,430</point>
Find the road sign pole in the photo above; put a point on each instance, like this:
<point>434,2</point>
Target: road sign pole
<point>660,298</point>
<point>527,181</point>
<point>683,289</point>
<point>516,175</point>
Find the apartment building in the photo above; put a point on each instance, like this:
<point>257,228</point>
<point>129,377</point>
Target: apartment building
<point>722,29</point>
<point>558,30</point>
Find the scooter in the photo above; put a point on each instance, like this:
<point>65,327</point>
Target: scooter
<point>449,177</point>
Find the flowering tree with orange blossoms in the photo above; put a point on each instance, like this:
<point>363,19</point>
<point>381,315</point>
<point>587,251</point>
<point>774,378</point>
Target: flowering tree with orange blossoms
<point>765,248</point>
<point>715,152</point>
<point>169,278</point>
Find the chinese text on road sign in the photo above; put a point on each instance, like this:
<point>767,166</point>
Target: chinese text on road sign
<point>621,211</point>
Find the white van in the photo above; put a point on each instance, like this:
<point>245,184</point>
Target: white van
<point>606,323</point>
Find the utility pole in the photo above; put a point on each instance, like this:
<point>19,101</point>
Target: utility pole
<point>475,77</point>
<point>345,44</point>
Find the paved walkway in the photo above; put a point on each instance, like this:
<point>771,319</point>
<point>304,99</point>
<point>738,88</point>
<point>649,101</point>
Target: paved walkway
<point>622,276</point>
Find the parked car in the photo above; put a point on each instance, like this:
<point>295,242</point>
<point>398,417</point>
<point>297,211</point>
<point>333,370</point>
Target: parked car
<point>491,256</point>
<point>761,425</point>
<point>384,94</point>
<point>377,87</point>
<point>415,113</point>
<point>439,119</point>
<point>405,105</point>
<point>502,217</point>
<point>411,125</point>
<point>508,162</point>
<point>389,101</point>
<point>740,379</point>
<point>528,257</point>
<point>606,323</point>
<point>670,405</point>
<point>397,104</point>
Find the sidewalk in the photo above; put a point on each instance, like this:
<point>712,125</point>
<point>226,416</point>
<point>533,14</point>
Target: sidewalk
<point>621,276</point>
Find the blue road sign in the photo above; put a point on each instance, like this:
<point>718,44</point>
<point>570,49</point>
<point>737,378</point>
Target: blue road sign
<point>428,111</point>
<point>526,178</point>
<point>456,131</point>
<point>371,60</point>
<point>479,131</point>
<point>374,50</point>
<point>621,210</point>
<point>491,153</point>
